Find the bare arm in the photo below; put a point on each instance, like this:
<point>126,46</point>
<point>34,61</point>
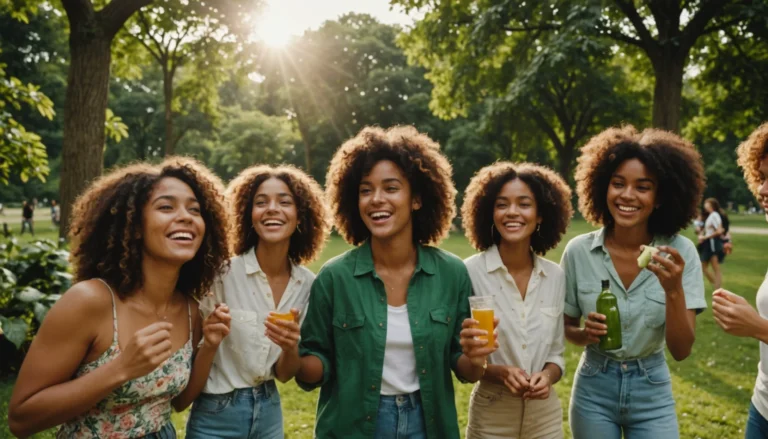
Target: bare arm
<point>45,394</point>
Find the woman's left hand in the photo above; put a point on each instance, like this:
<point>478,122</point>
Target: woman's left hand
<point>540,386</point>
<point>668,269</point>
<point>474,348</point>
<point>734,314</point>
<point>284,333</point>
<point>216,326</point>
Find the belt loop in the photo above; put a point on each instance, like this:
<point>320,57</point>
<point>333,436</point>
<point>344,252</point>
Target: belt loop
<point>412,398</point>
<point>605,363</point>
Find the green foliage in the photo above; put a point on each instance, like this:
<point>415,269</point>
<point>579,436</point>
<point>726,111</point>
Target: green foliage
<point>33,277</point>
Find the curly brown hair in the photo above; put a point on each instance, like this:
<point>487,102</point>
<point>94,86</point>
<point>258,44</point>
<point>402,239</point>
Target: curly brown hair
<point>674,161</point>
<point>314,223</point>
<point>551,192</point>
<point>750,153</point>
<point>420,159</point>
<point>106,229</point>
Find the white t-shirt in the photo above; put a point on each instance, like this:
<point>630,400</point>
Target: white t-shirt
<point>711,225</point>
<point>531,331</point>
<point>760,395</point>
<point>246,356</point>
<point>399,374</point>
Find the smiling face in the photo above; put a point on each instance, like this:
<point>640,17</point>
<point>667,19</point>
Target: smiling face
<point>631,194</point>
<point>386,202</point>
<point>274,214</point>
<point>515,213</point>
<point>172,226</point>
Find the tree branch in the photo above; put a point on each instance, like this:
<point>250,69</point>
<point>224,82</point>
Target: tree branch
<point>117,12</point>
<point>619,36</point>
<point>548,130</point>
<point>629,10</point>
<point>161,54</point>
<point>146,46</point>
<point>525,28</point>
<point>698,24</point>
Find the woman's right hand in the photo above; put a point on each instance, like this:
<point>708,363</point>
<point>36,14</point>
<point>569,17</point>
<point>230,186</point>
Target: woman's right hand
<point>517,381</point>
<point>146,350</point>
<point>594,327</point>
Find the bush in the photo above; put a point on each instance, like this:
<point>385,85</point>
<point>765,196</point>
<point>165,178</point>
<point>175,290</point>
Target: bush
<point>32,278</point>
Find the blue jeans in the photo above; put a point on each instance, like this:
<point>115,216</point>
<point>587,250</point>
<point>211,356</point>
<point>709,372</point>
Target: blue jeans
<point>757,425</point>
<point>252,413</point>
<point>167,432</point>
<point>633,396</point>
<point>400,417</point>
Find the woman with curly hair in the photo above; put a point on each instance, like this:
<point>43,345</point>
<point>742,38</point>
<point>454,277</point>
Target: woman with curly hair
<point>384,321</point>
<point>279,223</point>
<point>643,188</point>
<point>732,312</point>
<point>514,213</point>
<point>123,345</point>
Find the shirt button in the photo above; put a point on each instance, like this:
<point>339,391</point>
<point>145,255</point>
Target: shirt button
<point>368,418</point>
<point>373,387</point>
<point>449,319</point>
<point>416,322</point>
<point>381,300</point>
<point>524,346</point>
<point>421,347</point>
<point>344,325</point>
<point>381,324</point>
<point>423,371</point>
<point>269,294</point>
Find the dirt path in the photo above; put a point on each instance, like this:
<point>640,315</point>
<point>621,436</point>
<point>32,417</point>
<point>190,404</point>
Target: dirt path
<point>749,230</point>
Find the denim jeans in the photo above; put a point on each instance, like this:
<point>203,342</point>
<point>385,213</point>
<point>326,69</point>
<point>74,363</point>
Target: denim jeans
<point>400,417</point>
<point>252,413</point>
<point>167,432</point>
<point>757,425</point>
<point>633,396</point>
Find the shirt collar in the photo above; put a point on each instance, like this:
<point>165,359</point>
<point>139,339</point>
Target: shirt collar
<point>598,240</point>
<point>493,261</point>
<point>364,260</point>
<point>252,263</point>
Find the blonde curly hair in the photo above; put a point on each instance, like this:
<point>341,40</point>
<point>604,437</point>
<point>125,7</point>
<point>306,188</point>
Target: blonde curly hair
<point>749,155</point>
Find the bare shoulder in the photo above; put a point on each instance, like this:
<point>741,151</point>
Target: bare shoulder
<point>88,297</point>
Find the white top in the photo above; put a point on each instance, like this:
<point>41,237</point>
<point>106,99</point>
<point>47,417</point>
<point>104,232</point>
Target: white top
<point>531,331</point>
<point>760,395</point>
<point>399,375</point>
<point>246,356</point>
<point>711,225</point>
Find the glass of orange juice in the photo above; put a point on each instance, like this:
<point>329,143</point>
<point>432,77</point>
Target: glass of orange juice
<point>273,316</point>
<point>482,311</point>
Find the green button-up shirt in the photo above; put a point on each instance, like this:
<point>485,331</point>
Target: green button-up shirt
<point>642,307</point>
<point>346,328</point>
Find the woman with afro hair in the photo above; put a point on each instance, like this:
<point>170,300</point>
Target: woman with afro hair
<point>643,188</point>
<point>732,312</point>
<point>514,213</point>
<point>279,223</point>
<point>126,342</point>
<point>388,320</point>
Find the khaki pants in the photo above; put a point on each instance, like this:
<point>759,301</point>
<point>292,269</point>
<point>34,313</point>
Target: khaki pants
<point>495,413</point>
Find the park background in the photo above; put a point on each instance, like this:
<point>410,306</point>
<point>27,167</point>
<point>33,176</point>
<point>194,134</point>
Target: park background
<point>87,85</point>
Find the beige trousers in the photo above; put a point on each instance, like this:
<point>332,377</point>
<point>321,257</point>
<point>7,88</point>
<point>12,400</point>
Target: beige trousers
<point>495,413</point>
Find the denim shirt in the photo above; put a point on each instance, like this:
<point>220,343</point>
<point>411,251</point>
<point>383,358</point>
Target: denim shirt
<point>642,307</point>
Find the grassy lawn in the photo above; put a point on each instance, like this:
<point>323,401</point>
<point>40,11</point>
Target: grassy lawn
<point>712,387</point>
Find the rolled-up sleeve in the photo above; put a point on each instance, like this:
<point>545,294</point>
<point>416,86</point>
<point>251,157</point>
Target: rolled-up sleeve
<point>462,312</point>
<point>557,349</point>
<point>317,332</point>
<point>567,263</point>
<point>693,278</point>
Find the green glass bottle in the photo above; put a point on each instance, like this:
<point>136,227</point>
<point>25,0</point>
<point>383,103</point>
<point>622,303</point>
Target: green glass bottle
<point>609,307</point>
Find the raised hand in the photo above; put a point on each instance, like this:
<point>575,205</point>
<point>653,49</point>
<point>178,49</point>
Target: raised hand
<point>475,349</point>
<point>284,333</point>
<point>594,327</point>
<point>216,326</point>
<point>147,349</point>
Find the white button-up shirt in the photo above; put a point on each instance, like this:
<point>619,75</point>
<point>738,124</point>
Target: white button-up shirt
<point>531,331</point>
<point>246,356</point>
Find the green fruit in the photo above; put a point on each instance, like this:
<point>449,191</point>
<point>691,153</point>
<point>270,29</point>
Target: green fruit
<point>645,257</point>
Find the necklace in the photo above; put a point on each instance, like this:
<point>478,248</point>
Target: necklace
<point>165,311</point>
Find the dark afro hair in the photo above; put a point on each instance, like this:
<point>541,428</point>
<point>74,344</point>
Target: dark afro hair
<point>314,223</point>
<point>106,230</point>
<point>553,204</point>
<point>671,159</point>
<point>420,159</point>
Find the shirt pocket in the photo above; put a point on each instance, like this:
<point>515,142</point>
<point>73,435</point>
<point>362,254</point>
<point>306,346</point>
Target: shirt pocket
<point>244,339</point>
<point>348,333</point>
<point>655,307</point>
<point>549,320</point>
<point>441,320</point>
<point>588,293</point>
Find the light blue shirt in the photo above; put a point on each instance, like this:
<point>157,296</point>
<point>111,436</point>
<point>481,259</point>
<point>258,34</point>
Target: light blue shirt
<point>643,306</point>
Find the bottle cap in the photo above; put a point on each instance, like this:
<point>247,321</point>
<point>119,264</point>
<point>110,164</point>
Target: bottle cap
<point>606,283</point>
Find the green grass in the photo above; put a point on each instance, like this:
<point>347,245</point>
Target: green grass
<point>712,387</point>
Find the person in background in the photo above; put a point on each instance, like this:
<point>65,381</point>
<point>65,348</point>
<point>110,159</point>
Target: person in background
<point>27,214</point>
<point>55,213</point>
<point>711,242</point>
<point>514,213</point>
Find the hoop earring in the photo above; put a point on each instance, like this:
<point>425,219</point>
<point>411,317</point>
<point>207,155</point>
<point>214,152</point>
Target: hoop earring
<point>298,229</point>
<point>538,229</point>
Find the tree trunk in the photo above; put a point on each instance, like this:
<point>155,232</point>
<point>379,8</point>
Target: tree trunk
<point>565,159</point>
<point>668,90</point>
<point>84,114</point>
<point>170,141</point>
